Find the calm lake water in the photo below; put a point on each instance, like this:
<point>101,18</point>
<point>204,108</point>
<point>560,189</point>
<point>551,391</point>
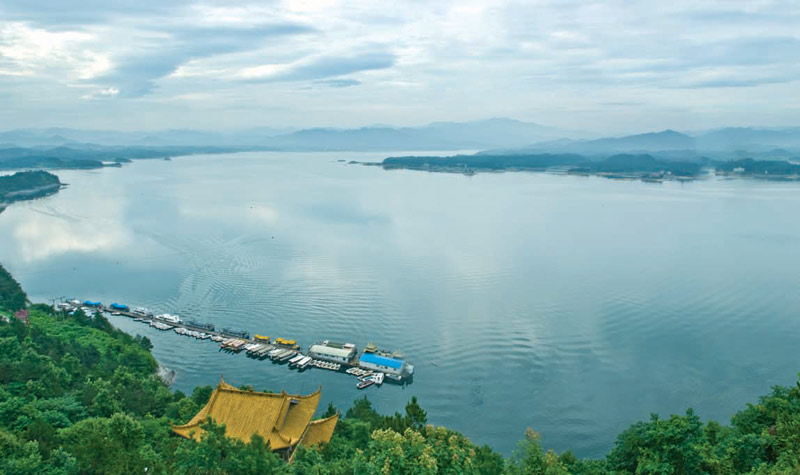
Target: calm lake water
<point>575,306</point>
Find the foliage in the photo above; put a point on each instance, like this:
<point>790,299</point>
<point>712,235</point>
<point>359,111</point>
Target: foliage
<point>751,167</point>
<point>12,297</point>
<point>20,182</point>
<point>78,396</point>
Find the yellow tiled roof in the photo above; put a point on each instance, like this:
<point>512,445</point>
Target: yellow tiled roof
<point>280,418</point>
<point>320,431</point>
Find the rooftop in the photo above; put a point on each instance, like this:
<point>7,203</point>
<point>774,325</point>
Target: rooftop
<point>280,418</point>
<point>381,360</point>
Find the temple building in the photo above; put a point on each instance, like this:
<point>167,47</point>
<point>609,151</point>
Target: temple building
<point>282,419</point>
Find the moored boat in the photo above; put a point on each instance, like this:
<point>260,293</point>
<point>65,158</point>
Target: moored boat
<point>365,384</point>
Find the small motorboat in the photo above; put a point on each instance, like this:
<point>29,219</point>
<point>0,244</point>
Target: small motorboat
<point>377,378</point>
<point>365,384</point>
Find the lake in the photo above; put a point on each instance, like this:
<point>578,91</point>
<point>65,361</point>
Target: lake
<point>572,305</point>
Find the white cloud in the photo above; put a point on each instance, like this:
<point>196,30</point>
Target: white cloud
<point>36,51</point>
<point>406,62</point>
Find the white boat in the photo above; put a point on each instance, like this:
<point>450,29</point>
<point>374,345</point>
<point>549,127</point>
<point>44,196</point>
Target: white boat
<point>296,359</point>
<point>304,362</point>
<point>169,318</point>
<point>377,377</point>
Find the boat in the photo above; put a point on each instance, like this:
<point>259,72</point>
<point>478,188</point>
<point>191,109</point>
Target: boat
<point>166,317</point>
<point>365,384</point>
<point>261,338</point>
<point>302,364</point>
<point>377,377</point>
<point>371,348</point>
<point>287,343</point>
<point>296,359</point>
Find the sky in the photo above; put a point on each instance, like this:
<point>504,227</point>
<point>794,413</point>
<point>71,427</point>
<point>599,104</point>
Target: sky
<point>604,67</point>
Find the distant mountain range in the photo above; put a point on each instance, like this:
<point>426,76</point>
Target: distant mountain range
<point>721,144</point>
<point>493,136</point>
<point>54,137</point>
<point>478,135</point>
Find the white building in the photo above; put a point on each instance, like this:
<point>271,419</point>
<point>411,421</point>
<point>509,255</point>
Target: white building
<point>334,352</point>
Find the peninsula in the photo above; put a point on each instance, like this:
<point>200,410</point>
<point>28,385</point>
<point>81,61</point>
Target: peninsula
<point>27,185</point>
<point>638,166</point>
<point>641,166</point>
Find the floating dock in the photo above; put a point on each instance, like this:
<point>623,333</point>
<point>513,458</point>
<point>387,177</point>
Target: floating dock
<point>327,354</point>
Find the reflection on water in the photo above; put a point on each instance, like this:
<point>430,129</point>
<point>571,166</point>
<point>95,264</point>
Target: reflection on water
<point>572,305</point>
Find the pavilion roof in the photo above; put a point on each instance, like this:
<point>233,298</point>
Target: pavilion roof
<point>280,418</point>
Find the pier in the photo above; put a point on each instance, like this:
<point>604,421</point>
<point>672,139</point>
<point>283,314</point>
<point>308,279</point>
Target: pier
<point>370,367</point>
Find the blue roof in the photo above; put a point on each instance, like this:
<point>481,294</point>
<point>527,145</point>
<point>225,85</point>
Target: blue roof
<point>382,360</point>
<point>118,305</point>
<point>91,304</point>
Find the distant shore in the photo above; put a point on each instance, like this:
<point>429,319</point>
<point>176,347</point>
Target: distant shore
<point>642,167</point>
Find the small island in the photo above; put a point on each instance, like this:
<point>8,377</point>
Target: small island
<point>27,185</point>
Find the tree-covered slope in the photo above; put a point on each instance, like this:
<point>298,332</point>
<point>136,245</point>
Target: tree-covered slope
<point>78,396</point>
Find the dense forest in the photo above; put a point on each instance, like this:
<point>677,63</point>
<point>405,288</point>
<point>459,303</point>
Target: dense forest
<point>761,168</point>
<point>79,396</point>
<point>642,165</point>
<point>27,185</point>
<point>91,156</point>
<point>620,165</point>
<point>486,162</point>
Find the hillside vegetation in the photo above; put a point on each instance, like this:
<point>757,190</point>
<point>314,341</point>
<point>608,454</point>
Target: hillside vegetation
<point>79,396</point>
<point>23,183</point>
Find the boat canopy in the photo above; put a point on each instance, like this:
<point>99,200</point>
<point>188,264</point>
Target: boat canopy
<point>372,358</point>
<point>119,306</point>
<point>89,303</point>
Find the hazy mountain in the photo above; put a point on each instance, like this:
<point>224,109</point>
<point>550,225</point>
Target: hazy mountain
<point>173,137</point>
<point>647,142</point>
<point>722,144</point>
<point>749,138</point>
<point>495,136</point>
<point>436,136</point>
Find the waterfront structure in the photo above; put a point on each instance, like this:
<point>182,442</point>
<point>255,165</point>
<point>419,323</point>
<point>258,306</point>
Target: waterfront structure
<point>332,351</point>
<point>394,368</point>
<point>280,418</point>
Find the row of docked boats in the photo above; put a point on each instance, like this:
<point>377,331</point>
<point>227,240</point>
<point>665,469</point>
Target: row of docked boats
<point>159,325</point>
<point>191,333</point>
<point>371,366</point>
<point>300,361</point>
<point>366,378</point>
<point>326,365</point>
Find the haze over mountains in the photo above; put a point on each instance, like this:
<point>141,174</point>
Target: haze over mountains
<point>440,136</point>
<point>496,136</point>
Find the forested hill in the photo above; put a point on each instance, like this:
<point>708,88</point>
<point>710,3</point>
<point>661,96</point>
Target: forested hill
<point>625,165</point>
<point>27,185</point>
<point>87,156</point>
<point>78,396</point>
<point>641,165</point>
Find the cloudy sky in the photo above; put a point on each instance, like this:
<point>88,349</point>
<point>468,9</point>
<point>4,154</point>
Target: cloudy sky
<point>608,67</point>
